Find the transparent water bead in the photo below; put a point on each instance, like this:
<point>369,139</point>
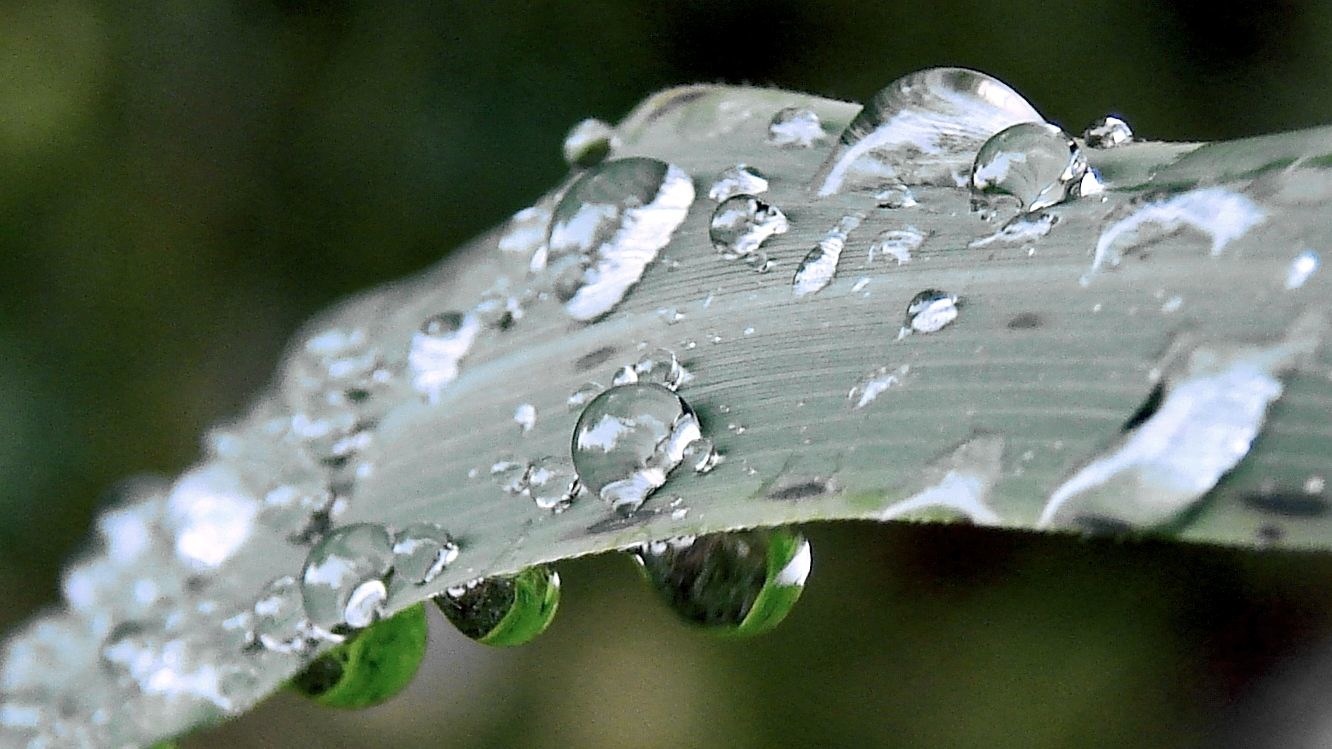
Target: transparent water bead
<point>526,231</point>
<point>896,243</point>
<point>1107,132</point>
<point>741,583</point>
<point>896,196</point>
<point>504,611</point>
<point>794,127</point>
<point>372,666</point>
<point>580,397</point>
<point>437,351</point>
<point>421,551</point>
<point>343,580</point>
<point>660,366</point>
<point>589,142</point>
<point>280,624</point>
<point>552,483</point>
<point>922,129</point>
<point>629,439</point>
<point>742,223</point>
<point>608,227</point>
<point>740,179</point>
<point>930,311</point>
<point>1035,163</point>
<point>819,267</point>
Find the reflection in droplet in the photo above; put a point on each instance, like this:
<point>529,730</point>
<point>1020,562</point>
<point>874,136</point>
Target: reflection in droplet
<point>503,611</point>
<point>922,129</point>
<point>588,143</point>
<point>343,580</point>
<point>372,666</point>
<point>551,483</point>
<point>819,267</point>
<point>929,311</point>
<point>437,350</point>
<point>741,224</point>
<point>1107,132</point>
<point>740,179</point>
<point>421,551</point>
<point>740,583</point>
<point>896,243</point>
<point>794,127</point>
<point>1035,163</point>
<point>280,624</point>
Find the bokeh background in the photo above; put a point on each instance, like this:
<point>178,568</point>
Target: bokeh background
<point>181,183</point>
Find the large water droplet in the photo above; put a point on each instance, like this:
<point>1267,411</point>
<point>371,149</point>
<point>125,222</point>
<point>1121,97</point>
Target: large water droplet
<point>421,551</point>
<point>608,227</point>
<point>922,129</point>
<point>896,243</point>
<point>1035,163</point>
<point>740,179</point>
<point>629,439</point>
<point>1107,132</point>
<point>741,224</point>
<point>437,350</point>
<point>816,271</point>
<point>504,611</point>
<point>795,127</point>
<point>589,143</point>
<point>372,666</point>
<point>343,581</point>
<point>740,583</point>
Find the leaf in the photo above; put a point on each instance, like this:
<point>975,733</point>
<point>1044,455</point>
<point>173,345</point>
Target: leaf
<point>1052,370</point>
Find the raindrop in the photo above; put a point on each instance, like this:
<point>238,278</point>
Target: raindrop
<point>1034,162</point>
<point>503,611</point>
<point>1107,132</point>
<point>421,551</point>
<point>741,224</point>
<point>896,196</point>
<point>877,383</point>
<point>525,416</point>
<point>629,439</point>
<point>794,127</point>
<point>662,368</point>
<point>701,456</point>
<point>280,624</point>
<point>922,129</point>
<point>585,392</point>
<point>526,230</point>
<point>609,226</point>
<point>740,583</point>
<point>1024,227</point>
<point>896,243</point>
<point>1301,268</point>
<point>437,349</point>
<point>371,666</point>
<point>816,271</point>
<point>929,311</point>
<point>740,179</point>
<point>211,514</point>
<point>589,143</point>
<point>343,580</point>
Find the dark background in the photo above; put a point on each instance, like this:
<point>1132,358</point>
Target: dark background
<point>181,183</point>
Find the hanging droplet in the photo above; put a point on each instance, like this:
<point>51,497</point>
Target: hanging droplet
<point>922,129</point>
<point>343,581</point>
<point>741,224</point>
<point>504,611</point>
<point>421,551</point>
<point>794,127</point>
<point>1035,163</point>
<point>740,179</point>
<point>816,271</point>
<point>371,666</point>
<point>437,350</point>
<point>629,439</point>
<point>1107,132</point>
<point>929,311</point>
<point>897,244</point>
<point>589,143</point>
<point>896,196</point>
<point>740,583</point>
<point>608,227</point>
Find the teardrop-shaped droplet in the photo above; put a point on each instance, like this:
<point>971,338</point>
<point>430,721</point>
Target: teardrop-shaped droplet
<point>742,223</point>
<point>897,244</point>
<point>629,439</point>
<point>589,143</point>
<point>421,551</point>
<point>372,666</point>
<point>504,611</point>
<point>740,583</point>
<point>437,351</point>
<point>608,227</point>
<point>816,271</point>
<point>1035,163</point>
<point>343,581</point>
<point>922,129</point>
<point>795,127</point>
<point>1107,132</point>
<point>740,179</point>
<point>930,311</point>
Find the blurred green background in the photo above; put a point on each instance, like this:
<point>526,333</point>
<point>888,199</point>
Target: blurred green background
<point>181,183</point>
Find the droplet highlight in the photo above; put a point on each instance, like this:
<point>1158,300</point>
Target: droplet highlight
<point>741,224</point>
<point>1107,132</point>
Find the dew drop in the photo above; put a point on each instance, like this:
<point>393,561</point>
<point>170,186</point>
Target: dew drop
<point>509,476</point>
<point>580,397</point>
<point>421,551</point>
<point>896,196</point>
<point>343,580</point>
<point>371,667</point>
<point>740,583</point>
<point>552,483</point>
<point>897,244</point>
<point>589,143</point>
<point>819,267</point>
<point>629,439</point>
<point>437,349</point>
<point>526,231</point>
<point>212,516</point>
<point>525,417</point>
<point>795,127</point>
<point>742,223</point>
<point>280,624</point>
<point>929,311</point>
<point>1034,162</point>
<point>608,227</point>
<point>661,367</point>
<point>922,129</point>
<point>740,179</point>
<point>503,611</point>
<point>1301,268</point>
<point>701,455</point>
<point>1107,132</point>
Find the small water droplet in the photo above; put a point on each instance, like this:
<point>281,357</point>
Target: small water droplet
<point>629,439</point>
<point>437,350</point>
<point>342,582</point>
<point>740,179</point>
<point>929,311</point>
<point>1172,304</point>
<point>371,666</point>
<point>280,624</point>
<point>1024,227</point>
<point>1301,268</point>
<point>421,551</point>
<point>819,267</point>
<point>660,366</point>
<point>503,611</point>
<point>896,243</point>
<point>701,455</point>
<point>525,416</point>
<point>670,315</point>
<point>589,143</point>
<point>795,127</point>
<point>526,231</point>
<point>877,383</point>
<point>552,483</point>
<point>509,475</point>
<point>585,392</point>
<point>1107,132</point>
<point>740,583</point>
<point>896,196</point>
<point>1034,162</point>
<point>742,223</point>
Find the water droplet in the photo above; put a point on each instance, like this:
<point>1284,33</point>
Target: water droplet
<point>929,311</point>
<point>670,315</point>
<point>1107,132</point>
<point>794,127</point>
<point>896,243</point>
<point>1034,162</point>
<point>877,383</point>
<point>740,583</point>
<point>212,516</point>
<point>589,143</point>
<point>437,349</point>
<point>525,416</point>
<point>510,476</point>
<point>343,580</point>
<point>552,483</point>
<point>740,179</point>
<point>280,624</point>
<point>609,227</point>
<point>922,129</point>
<point>504,611</point>
<point>1221,214</point>
<point>372,666</point>
<point>701,456</point>
<point>661,367</point>
<point>1172,304</point>
<point>1024,227</point>
<point>629,439</point>
<point>526,230</point>
<point>741,224</point>
<point>1301,268</point>
<point>896,196</point>
<point>421,551</point>
<point>816,271</point>
<point>585,392</point>
<point>957,484</point>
